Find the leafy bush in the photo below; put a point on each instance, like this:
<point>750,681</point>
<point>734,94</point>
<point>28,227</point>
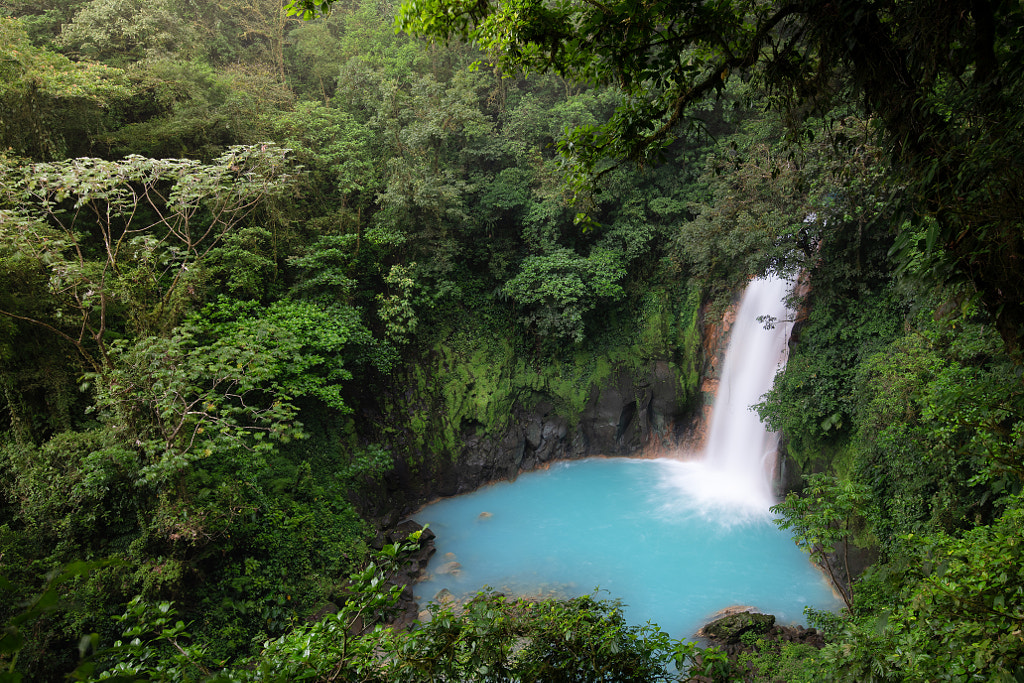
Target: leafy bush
<point>558,289</point>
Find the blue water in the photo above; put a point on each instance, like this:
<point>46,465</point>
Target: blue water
<point>629,528</point>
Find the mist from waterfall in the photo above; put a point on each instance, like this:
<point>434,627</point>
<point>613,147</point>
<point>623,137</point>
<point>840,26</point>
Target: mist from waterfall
<point>732,479</point>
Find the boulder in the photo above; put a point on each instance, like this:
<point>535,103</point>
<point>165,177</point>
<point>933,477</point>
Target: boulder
<point>452,568</point>
<point>728,629</point>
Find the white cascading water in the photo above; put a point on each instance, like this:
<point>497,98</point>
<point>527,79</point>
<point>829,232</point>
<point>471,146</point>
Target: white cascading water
<point>733,479</point>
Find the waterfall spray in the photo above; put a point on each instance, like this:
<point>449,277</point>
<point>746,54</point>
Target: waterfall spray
<point>734,477</point>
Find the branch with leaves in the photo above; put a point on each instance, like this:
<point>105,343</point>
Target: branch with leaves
<point>823,520</point>
<point>129,233</point>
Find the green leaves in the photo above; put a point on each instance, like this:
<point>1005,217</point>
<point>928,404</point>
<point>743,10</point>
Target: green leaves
<point>556,290</point>
<point>44,95</point>
<point>494,638</point>
<point>12,636</point>
<point>957,617</point>
<point>824,519</point>
<point>131,234</point>
<point>228,379</point>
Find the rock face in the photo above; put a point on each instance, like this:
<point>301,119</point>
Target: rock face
<point>624,416</point>
<point>659,410</point>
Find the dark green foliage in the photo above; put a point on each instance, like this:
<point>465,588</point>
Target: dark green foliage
<point>930,437</point>
<point>947,610</point>
<point>942,81</point>
<point>814,401</point>
<point>236,321</point>
<point>556,290</point>
<point>49,105</point>
<point>824,519</point>
<point>205,361</point>
<point>183,108</point>
<point>936,441</point>
<point>493,638</point>
<point>771,661</point>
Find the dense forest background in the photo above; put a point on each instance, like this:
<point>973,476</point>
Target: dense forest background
<point>252,266</point>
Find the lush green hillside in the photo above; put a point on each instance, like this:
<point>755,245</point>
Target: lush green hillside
<point>262,278</point>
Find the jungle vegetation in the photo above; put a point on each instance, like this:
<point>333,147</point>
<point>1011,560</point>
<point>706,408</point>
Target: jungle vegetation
<point>255,258</point>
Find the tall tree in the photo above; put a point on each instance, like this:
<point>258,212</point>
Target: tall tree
<point>48,103</point>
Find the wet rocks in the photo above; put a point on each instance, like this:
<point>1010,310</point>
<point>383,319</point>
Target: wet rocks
<point>728,629</point>
<point>411,570</point>
<point>727,632</point>
<point>628,413</point>
<point>452,568</point>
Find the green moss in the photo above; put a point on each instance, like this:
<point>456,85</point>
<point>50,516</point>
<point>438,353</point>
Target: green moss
<point>472,377</point>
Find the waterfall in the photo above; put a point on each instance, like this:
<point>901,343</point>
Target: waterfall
<point>734,476</point>
<point>676,540</point>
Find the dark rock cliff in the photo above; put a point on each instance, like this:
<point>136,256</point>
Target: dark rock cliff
<point>628,415</point>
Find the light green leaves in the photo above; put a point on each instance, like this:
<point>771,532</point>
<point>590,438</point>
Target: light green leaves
<point>823,520</point>
<point>132,233</point>
<point>228,380</point>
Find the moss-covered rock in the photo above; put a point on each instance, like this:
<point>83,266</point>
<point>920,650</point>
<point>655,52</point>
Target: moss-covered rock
<point>728,629</point>
<point>471,409</point>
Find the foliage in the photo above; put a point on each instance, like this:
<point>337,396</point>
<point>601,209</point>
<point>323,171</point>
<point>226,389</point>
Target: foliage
<point>753,217</point>
<point>492,638</point>
<point>952,138</point>
<point>768,660</point>
<point>46,99</point>
<point>396,310</point>
<point>141,657</point>
<point>814,402</point>
<point>226,379</point>
<point>265,346</point>
<point>489,638</point>
<point>183,107</point>
<point>948,611</point>
<point>938,420</point>
<point>125,31</point>
<point>13,637</point>
<point>472,379</point>
<point>333,148</point>
<point>824,519</point>
<point>154,221</point>
<point>971,585</point>
<point>558,289</point>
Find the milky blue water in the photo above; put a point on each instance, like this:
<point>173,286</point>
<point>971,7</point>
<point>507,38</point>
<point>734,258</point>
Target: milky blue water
<point>630,528</point>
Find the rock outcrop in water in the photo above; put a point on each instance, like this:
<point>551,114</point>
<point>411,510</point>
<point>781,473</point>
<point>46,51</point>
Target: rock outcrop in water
<point>727,632</point>
<point>729,629</point>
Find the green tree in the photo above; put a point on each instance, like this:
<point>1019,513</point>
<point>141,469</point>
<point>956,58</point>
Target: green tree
<point>335,151</point>
<point>825,519</point>
<point>129,234</point>
<point>120,32</point>
<point>227,379</point>
<point>941,79</point>
<point>49,103</point>
<point>557,290</point>
<point>948,610</point>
